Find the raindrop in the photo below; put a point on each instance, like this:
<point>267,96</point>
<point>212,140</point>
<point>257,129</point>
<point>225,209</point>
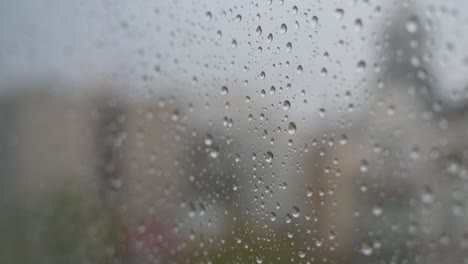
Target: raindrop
<point>364,166</point>
<point>358,24</point>
<point>296,212</point>
<point>259,259</point>
<point>286,105</point>
<point>366,249</point>
<point>269,156</point>
<point>214,152</point>
<point>319,242</point>
<point>412,24</point>
<point>283,28</point>
<point>291,128</point>
<point>377,211</point>
<point>301,253</point>
<point>314,22</point>
<point>288,47</point>
<point>262,75</point>
<point>208,140</point>
<point>324,72</point>
<point>258,32</point>
<point>272,90</point>
<point>295,10</point>
<point>361,66</point>
<point>270,38</point>
<point>339,13</point>
<point>238,18</point>
<point>208,15</point>
<point>224,90</point>
<point>234,44</point>
<point>299,69</point>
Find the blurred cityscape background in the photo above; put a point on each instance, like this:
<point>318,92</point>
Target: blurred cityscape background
<point>214,132</point>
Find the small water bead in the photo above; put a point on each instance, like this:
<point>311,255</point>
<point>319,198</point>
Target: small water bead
<point>361,66</point>
<point>272,90</point>
<point>319,242</point>
<point>270,38</point>
<point>358,24</point>
<point>208,16</point>
<point>288,47</point>
<point>324,72</point>
<point>214,153</point>
<point>322,112</point>
<point>262,75</point>
<point>314,22</point>
<point>238,18</point>
<point>286,105</point>
<point>283,28</point>
<point>301,253</point>
<point>269,156</point>
<point>412,25</point>
<point>364,166</point>
<point>366,249</point>
<point>259,259</point>
<point>296,212</point>
<point>377,211</point>
<point>258,31</point>
<point>273,216</point>
<point>234,44</point>
<point>339,13</point>
<point>295,10</point>
<point>299,69</point>
<point>224,90</point>
<point>291,128</point>
<point>208,140</point>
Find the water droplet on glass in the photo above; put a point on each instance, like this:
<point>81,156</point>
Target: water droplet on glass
<point>288,47</point>
<point>262,75</point>
<point>234,44</point>
<point>208,15</point>
<point>361,66</point>
<point>412,24</point>
<point>238,18</point>
<point>366,249</point>
<point>296,212</point>
<point>208,140</point>
<point>258,31</point>
<point>339,13</point>
<point>364,166</point>
<point>286,105</point>
<point>283,28</point>
<point>224,90</point>
<point>301,253</point>
<point>314,22</point>
<point>270,38</point>
<point>358,24</point>
<point>299,69</point>
<point>291,128</point>
<point>214,152</point>
<point>377,211</point>
<point>269,156</point>
<point>259,259</point>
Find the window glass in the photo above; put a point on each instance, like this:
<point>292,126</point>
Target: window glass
<point>270,131</point>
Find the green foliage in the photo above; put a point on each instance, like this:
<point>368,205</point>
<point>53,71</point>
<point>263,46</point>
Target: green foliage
<point>62,227</point>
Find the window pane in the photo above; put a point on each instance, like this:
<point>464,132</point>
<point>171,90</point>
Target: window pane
<point>211,131</point>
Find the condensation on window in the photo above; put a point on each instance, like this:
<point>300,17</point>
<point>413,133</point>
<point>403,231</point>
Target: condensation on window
<point>270,131</point>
